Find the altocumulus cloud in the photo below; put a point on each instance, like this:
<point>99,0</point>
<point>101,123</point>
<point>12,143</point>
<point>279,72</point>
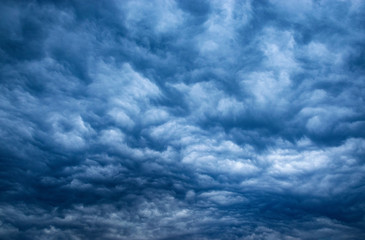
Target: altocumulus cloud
<point>182,119</point>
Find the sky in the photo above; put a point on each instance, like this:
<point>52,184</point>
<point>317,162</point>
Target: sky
<point>186,120</point>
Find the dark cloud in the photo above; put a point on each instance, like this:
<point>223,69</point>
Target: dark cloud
<point>182,120</point>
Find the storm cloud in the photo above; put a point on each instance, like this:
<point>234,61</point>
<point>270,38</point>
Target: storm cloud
<point>182,119</point>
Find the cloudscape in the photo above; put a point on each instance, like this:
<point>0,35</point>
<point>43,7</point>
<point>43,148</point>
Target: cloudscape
<point>182,119</point>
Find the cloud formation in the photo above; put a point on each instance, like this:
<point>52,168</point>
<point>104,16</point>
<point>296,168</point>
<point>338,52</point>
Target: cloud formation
<point>182,120</point>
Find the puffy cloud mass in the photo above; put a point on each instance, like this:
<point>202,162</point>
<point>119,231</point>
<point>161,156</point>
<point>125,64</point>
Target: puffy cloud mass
<point>181,119</point>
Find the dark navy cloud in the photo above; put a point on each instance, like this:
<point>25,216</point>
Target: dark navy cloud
<point>182,119</point>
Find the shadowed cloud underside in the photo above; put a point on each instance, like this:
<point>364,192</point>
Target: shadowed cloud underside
<point>232,120</point>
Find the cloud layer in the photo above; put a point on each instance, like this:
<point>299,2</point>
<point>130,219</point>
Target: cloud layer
<point>182,119</point>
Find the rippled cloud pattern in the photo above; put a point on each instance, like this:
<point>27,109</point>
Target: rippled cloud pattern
<point>163,119</point>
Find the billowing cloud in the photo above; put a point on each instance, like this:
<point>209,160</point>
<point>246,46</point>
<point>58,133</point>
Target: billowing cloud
<point>182,119</point>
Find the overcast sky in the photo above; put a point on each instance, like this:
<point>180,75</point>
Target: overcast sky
<point>158,120</point>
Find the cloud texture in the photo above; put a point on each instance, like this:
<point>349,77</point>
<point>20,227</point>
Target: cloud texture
<point>182,119</point>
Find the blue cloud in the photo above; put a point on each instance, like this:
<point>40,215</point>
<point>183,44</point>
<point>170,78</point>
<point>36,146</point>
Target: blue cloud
<point>182,120</point>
